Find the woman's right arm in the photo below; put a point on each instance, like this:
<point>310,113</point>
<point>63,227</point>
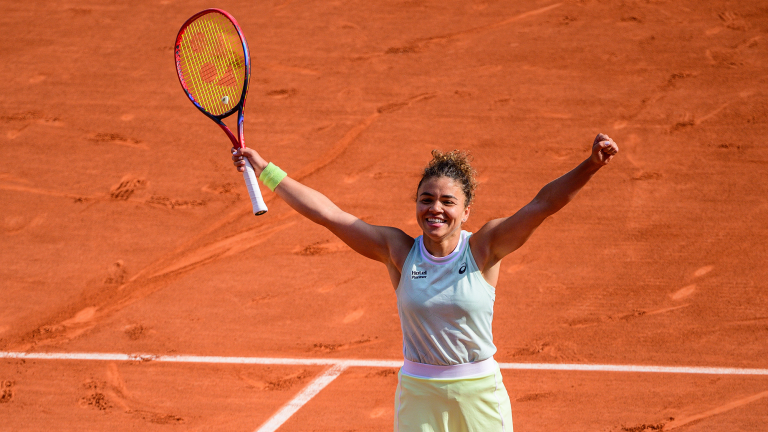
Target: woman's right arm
<point>384,244</point>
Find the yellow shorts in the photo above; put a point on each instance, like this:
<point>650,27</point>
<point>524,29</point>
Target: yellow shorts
<point>475,404</point>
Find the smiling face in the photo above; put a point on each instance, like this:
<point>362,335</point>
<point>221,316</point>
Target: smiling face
<point>440,210</point>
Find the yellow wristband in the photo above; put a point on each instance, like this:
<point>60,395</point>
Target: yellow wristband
<point>272,176</point>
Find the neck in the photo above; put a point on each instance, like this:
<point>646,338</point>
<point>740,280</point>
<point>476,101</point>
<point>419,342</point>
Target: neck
<point>442,247</point>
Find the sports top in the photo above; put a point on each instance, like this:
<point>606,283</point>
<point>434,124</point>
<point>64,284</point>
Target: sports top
<point>445,307</point>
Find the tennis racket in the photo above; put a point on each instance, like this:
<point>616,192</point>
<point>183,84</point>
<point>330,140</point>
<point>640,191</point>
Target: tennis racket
<point>214,68</point>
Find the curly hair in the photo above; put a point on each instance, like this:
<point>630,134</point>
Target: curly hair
<point>454,165</point>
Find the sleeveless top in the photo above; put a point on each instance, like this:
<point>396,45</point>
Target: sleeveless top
<point>445,307</point>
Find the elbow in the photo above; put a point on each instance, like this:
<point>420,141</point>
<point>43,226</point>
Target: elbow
<point>546,207</point>
<point>327,217</point>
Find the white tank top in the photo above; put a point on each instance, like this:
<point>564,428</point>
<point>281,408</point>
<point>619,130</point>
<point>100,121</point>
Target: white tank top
<point>445,307</point>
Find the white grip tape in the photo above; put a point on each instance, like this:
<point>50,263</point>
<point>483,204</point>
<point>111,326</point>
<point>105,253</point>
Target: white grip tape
<point>254,192</point>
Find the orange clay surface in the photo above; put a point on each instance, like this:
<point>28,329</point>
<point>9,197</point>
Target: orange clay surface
<point>125,229</point>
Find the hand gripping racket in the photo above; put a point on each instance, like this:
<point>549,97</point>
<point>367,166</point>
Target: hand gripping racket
<point>214,68</point>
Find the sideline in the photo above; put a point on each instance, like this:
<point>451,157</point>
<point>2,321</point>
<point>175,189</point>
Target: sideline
<point>302,398</point>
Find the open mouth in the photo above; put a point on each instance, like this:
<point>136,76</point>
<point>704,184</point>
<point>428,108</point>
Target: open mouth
<point>435,221</point>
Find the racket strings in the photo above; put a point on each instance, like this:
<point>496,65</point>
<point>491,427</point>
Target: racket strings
<point>212,63</point>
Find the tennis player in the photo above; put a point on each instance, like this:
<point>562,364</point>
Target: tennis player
<point>444,281</point>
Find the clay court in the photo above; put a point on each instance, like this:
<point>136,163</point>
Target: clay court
<point>138,292</point>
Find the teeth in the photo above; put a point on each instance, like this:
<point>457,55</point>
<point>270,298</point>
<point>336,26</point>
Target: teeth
<point>435,220</point>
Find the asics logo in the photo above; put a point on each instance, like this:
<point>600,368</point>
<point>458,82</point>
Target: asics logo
<point>463,268</point>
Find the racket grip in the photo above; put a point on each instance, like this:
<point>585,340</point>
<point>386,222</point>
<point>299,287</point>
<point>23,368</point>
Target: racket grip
<point>259,208</point>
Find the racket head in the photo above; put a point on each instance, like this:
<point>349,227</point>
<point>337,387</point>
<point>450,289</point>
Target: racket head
<point>213,63</point>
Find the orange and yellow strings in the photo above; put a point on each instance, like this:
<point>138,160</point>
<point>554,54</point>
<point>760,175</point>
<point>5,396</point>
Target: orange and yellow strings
<point>213,70</point>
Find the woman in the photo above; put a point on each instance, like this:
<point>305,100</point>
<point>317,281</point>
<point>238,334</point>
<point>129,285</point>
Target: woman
<point>444,281</point>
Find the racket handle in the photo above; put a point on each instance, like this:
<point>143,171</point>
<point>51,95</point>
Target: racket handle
<point>259,208</point>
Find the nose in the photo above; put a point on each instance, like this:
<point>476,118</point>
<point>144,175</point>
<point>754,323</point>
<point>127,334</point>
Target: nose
<point>436,207</point>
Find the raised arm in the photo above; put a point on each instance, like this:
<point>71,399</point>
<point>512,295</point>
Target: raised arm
<point>500,237</point>
<point>384,244</point>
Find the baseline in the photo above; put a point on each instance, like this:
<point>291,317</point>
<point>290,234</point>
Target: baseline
<point>374,363</point>
<point>338,366</point>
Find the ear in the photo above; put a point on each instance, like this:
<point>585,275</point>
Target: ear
<point>467,210</point>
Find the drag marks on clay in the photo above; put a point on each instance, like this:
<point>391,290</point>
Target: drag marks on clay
<point>531,397</point>
<point>6,391</point>
<point>689,120</point>
<point>28,118</point>
<point>581,322</point>
<point>664,310</point>
<point>115,138</point>
<point>734,56</point>
<point>335,347</point>
<point>559,153</point>
<point>390,374</point>
<point>117,274</point>
<point>147,281</point>
<point>423,43</point>
<point>288,382</point>
<point>125,190</point>
<point>682,421</point>
<point>32,117</point>
<point>330,287</point>
<point>135,332</point>
<point>267,381</point>
<point>46,192</point>
<point>261,299</point>
<point>291,69</point>
<point>677,295</point>
<point>169,203</point>
<point>338,148</point>
<point>643,427</point>
<point>645,175</point>
<point>220,249</point>
<point>128,186</point>
<point>563,351</point>
<point>322,248</point>
<point>282,93</point>
<point>104,395</point>
<point>732,21</point>
<point>186,257</point>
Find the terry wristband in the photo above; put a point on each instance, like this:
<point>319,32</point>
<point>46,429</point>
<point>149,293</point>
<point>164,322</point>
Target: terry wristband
<point>272,176</point>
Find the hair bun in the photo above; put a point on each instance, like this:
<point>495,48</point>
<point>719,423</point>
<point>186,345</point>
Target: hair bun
<point>456,165</point>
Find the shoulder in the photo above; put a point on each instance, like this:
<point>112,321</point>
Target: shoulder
<point>485,234</point>
<point>481,241</point>
<point>400,245</point>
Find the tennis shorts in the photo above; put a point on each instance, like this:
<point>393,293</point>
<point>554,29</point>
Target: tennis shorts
<point>464,398</point>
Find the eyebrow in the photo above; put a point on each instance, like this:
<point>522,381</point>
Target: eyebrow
<point>441,196</point>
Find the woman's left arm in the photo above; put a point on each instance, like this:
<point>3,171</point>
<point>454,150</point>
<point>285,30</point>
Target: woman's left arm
<point>501,237</point>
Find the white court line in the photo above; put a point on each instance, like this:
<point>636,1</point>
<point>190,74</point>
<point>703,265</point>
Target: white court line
<point>374,363</point>
<point>302,398</point>
<point>339,365</point>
